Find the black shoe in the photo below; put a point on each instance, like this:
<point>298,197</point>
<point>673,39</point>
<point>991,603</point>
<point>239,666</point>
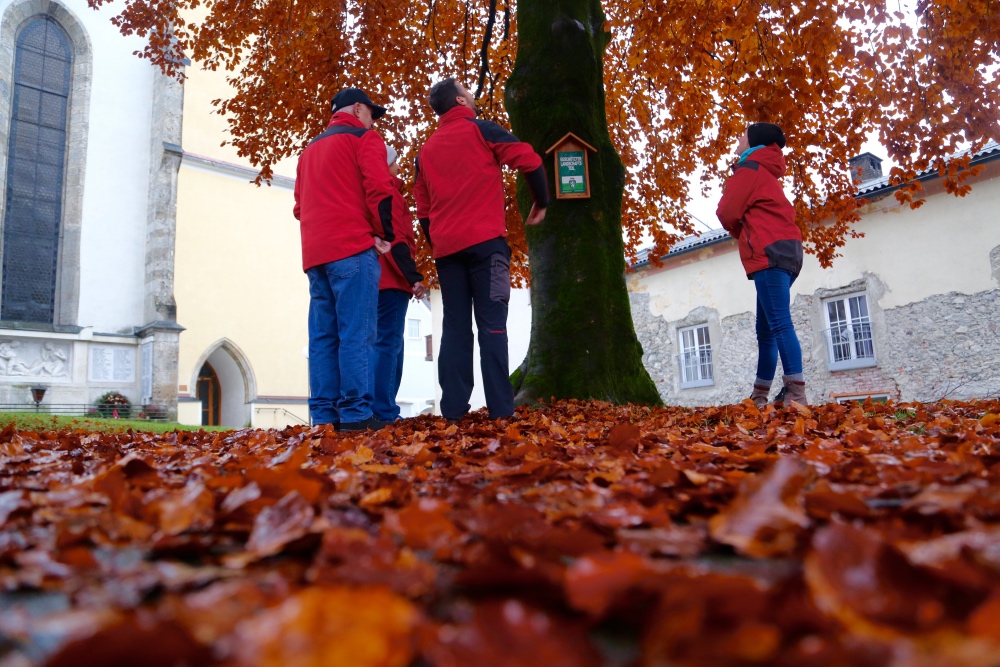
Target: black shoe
<point>370,424</point>
<point>781,395</point>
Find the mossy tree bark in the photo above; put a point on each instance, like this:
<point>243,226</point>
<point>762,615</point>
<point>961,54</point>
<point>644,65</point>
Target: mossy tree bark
<point>583,342</point>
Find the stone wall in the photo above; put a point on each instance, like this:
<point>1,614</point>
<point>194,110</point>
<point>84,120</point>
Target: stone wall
<point>657,345</point>
<point>946,346</point>
<point>161,331</point>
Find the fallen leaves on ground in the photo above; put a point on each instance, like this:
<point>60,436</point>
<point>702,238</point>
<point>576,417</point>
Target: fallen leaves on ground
<point>577,534</point>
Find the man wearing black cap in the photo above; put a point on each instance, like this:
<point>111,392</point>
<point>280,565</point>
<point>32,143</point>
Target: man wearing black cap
<point>755,211</point>
<point>343,201</point>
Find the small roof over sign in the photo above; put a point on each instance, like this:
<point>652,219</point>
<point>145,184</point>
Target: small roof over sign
<point>570,135</point>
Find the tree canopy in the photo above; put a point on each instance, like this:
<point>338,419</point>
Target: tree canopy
<point>682,80</point>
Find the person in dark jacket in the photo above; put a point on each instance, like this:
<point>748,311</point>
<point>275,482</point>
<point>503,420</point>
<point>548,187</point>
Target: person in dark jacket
<point>343,201</point>
<point>755,211</point>
<point>460,206</point>
<point>400,280</point>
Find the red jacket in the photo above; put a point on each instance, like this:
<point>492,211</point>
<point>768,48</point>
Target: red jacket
<point>754,210</point>
<point>399,271</point>
<point>459,187</point>
<point>343,192</point>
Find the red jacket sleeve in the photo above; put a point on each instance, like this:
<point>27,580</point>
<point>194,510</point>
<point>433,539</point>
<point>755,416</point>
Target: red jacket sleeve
<point>736,199</point>
<point>420,193</point>
<point>297,209</point>
<point>516,154</point>
<point>376,180</point>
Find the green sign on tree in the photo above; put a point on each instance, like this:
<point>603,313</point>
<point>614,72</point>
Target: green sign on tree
<point>572,167</point>
<point>571,175</point>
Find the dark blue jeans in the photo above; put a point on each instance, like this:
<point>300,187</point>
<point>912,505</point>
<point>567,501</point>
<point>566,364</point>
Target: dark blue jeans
<point>775,331</point>
<point>476,279</point>
<point>392,305</point>
<point>343,297</point>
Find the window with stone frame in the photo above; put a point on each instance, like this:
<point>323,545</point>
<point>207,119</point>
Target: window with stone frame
<point>35,171</point>
<point>695,358</point>
<point>849,340</point>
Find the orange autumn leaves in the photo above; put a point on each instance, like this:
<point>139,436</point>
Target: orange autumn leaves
<point>682,79</point>
<point>579,534</point>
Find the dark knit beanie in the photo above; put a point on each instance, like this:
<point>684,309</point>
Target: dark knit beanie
<point>765,134</point>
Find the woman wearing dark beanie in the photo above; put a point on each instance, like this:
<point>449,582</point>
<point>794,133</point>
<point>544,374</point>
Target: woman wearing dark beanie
<point>755,211</point>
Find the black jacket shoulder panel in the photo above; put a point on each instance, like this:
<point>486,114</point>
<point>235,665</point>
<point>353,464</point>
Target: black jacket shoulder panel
<point>493,133</point>
<point>749,164</point>
<point>340,129</point>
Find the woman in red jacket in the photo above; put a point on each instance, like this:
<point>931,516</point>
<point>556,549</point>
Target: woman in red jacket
<point>399,281</point>
<point>755,211</point>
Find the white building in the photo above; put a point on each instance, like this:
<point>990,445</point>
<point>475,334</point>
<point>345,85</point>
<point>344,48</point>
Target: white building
<point>911,311</point>
<point>85,190</point>
<point>136,255</point>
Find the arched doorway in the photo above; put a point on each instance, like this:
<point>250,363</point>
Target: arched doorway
<point>210,393</point>
<point>236,387</point>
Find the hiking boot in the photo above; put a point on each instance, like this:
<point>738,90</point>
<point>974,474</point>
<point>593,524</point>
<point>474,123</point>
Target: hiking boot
<point>370,424</point>
<point>759,395</point>
<point>794,390</point>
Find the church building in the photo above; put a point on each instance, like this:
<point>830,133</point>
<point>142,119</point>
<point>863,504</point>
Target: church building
<point>136,254</point>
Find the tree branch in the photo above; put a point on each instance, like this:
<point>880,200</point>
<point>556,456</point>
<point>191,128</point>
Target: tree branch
<point>484,53</point>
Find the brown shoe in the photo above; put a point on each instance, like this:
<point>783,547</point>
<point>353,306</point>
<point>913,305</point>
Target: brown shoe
<point>794,390</point>
<point>759,395</point>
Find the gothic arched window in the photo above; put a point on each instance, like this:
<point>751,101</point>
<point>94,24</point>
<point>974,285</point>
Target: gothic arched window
<point>36,162</point>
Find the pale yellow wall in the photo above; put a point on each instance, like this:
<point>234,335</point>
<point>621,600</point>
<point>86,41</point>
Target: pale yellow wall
<point>239,276</point>
<point>942,247</point>
<point>280,415</point>
<point>709,277</point>
<point>238,272</point>
<point>205,130</point>
<point>189,413</point>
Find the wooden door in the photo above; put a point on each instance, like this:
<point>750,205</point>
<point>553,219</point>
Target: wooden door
<point>210,394</point>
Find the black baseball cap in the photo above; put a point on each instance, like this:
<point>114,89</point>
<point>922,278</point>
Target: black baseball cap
<point>349,96</point>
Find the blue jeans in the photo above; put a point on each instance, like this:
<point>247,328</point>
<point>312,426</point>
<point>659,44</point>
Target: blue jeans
<point>343,296</point>
<point>392,305</point>
<point>775,331</point>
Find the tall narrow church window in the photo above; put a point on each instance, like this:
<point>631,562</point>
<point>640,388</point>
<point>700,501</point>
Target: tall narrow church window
<point>36,165</point>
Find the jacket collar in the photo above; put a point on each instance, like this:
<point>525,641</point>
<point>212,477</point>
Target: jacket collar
<point>344,118</point>
<point>748,152</point>
<point>456,113</point>
<point>397,181</point>
<point>769,157</point>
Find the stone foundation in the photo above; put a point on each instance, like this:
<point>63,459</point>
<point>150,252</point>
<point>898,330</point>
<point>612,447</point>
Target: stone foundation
<point>946,346</point>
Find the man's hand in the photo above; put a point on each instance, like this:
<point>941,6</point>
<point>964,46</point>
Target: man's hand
<point>535,216</point>
<point>419,291</point>
<point>382,246</point>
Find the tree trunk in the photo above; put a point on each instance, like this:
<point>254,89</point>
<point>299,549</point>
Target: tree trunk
<point>583,342</point>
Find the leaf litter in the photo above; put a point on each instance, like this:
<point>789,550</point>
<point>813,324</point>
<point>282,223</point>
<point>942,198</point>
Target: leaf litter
<point>580,533</point>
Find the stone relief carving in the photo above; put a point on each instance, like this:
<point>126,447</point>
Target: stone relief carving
<point>30,359</point>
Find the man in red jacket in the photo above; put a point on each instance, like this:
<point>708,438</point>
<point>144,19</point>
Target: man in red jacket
<point>343,201</point>
<point>755,211</point>
<point>460,206</point>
